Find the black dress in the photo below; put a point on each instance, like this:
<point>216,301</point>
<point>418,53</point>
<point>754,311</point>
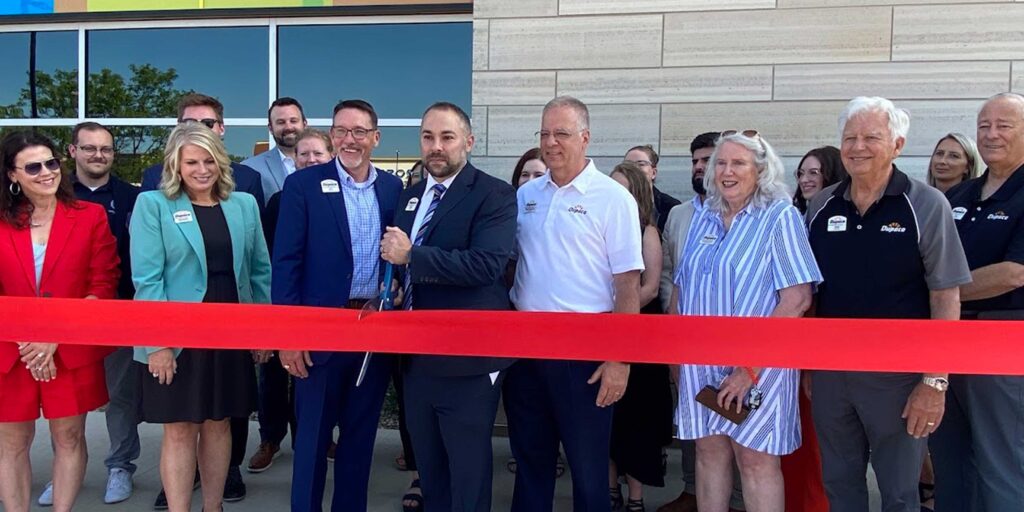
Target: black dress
<point>210,384</point>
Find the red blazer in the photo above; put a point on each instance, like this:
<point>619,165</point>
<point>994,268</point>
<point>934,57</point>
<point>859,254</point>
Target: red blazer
<point>81,260</point>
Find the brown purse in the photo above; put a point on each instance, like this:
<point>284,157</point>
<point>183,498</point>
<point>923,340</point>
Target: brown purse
<point>708,397</point>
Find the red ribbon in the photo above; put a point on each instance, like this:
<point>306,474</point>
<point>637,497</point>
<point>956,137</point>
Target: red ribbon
<point>975,347</point>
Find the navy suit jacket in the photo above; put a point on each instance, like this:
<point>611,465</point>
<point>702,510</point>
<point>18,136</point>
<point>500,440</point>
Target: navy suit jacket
<point>312,256</point>
<point>461,261</point>
<point>246,180</point>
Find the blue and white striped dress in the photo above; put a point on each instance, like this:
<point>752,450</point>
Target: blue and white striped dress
<point>740,273</point>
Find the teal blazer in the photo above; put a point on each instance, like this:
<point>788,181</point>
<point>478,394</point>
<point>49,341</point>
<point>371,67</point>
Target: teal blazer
<point>169,258</point>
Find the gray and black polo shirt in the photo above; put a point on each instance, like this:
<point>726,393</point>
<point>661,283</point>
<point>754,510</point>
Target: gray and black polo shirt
<point>882,264</point>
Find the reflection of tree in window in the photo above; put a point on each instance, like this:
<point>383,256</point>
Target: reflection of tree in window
<point>149,92</point>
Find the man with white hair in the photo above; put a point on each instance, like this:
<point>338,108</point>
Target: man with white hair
<point>887,248</point>
<point>978,452</point>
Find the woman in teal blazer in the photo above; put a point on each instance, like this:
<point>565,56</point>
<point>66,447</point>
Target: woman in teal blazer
<point>195,240</point>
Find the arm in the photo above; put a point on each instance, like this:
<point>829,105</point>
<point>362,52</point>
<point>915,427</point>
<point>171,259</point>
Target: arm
<point>148,253</point>
<point>104,264</point>
<point>650,279</point>
<point>289,245</point>
<point>259,264</point>
<point>993,280</point>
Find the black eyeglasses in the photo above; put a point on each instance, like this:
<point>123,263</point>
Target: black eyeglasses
<point>357,133</point>
<point>753,134</point>
<point>210,123</point>
<point>91,150</point>
<point>34,168</point>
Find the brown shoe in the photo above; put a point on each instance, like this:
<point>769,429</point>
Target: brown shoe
<point>686,502</point>
<point>263,458</point>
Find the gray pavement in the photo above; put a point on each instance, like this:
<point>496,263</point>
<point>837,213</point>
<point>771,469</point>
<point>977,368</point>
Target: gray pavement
<point>268,491</point>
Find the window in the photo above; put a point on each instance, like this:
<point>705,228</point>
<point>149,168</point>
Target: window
<point>56,74</point>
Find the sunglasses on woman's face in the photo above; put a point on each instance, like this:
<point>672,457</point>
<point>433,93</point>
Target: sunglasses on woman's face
<point>34,168</point>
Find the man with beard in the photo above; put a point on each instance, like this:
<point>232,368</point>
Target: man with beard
<point>464,226</point>
<point>285,119</point>
<point>673,241</point>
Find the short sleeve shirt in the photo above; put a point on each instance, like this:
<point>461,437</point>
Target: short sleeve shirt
<point>882,264</point>
<point>992,231</point>
<point>572,240</point>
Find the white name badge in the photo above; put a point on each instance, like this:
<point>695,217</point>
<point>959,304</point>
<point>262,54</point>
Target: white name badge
<point>329,187</point>
<point>837,223</point>
<point>708,239</point>
<point>959,212</point>
<point>182,217</point>
<point>411,205</point>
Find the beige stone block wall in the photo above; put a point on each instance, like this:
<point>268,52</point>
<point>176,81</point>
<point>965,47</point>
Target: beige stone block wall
<point>662,71</point>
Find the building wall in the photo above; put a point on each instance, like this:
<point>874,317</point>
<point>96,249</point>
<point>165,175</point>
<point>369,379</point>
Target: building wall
<point>662,71</point>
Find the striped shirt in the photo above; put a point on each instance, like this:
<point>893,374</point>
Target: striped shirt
<point>740,272</point>
<point>364,228</point>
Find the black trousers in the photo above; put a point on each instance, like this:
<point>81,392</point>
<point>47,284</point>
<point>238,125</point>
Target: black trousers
<point>276,403</point>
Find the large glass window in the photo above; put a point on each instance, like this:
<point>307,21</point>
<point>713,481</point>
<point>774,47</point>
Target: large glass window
<point>142,72</point>
<point>53,92</point>
<point>399,68</point>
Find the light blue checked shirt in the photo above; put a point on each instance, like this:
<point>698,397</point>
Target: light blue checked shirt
<point>364,228</point>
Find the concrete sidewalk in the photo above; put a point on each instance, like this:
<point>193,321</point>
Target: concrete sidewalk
<point>269,491</point>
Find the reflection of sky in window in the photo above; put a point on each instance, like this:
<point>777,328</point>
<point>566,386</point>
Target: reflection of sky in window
<point>54,50</point>
<point>399,68</point>
<point>229,64</point>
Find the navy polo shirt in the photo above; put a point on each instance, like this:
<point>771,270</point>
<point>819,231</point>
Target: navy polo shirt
<point>103,196</point>
<point>882,264</point>
<point>992,231</point>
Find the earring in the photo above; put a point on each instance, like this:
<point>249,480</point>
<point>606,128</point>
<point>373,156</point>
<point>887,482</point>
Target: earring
<point>14,191</point>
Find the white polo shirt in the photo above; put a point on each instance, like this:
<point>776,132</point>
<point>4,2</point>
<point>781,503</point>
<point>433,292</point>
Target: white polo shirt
<point>572,240</point>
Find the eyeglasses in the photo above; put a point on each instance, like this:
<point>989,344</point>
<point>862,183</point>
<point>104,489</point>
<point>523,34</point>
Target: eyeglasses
<point>35,168</point>
<point>357,133</point>
<point>813,172</point>
<point>210,123</point>
<point>559,135</point>
<point>753,134</point>
<point>91,150</point>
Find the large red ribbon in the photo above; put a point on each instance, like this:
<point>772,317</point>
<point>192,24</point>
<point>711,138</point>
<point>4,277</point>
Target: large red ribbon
<point>977,347</point>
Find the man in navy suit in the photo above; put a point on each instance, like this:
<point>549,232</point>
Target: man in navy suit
<point>285,120</point>
<point>454,232</point>
<point>327,254</point>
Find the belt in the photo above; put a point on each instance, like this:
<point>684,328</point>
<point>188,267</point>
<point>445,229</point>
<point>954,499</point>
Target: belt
<point>356,303</point>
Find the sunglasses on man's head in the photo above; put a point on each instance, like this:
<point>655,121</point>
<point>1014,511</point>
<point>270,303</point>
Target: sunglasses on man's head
<point>34,168</point>
<point>210,123</point>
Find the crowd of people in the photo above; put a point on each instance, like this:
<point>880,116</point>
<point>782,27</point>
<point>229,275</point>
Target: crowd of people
<point>312,222</point>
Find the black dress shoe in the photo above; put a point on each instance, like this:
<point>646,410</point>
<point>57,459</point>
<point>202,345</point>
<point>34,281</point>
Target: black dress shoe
<point>161,499</point>
<point>234,487</point>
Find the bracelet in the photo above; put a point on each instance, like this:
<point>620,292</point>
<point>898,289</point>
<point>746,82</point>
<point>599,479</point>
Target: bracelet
<point>750,372</point>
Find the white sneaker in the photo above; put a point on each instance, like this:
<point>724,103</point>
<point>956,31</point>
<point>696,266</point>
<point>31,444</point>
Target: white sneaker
<point>46,497</point>
<point>119,486</point>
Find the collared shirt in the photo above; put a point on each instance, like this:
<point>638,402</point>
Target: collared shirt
<point>572,241</point>
<point>364,228</point>
<point>427,198</point>
<point>287,161</point>
<point>102,195</point>
<point>739,271</point>
<point>882,264</point>
<point>992,231</point>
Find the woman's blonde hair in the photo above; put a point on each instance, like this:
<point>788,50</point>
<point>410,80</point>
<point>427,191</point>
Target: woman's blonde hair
<point>200,136</point>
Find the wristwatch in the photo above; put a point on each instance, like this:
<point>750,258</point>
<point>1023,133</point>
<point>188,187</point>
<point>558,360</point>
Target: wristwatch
<point>940,384</point>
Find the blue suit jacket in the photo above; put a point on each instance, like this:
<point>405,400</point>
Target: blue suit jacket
<point>246,180</point>
<point>313,260</point>
<point>169,257</point>
<point>272,172</point>
<point>461,261</point>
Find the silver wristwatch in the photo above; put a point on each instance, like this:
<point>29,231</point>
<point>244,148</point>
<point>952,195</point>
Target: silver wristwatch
<point>940,384</point>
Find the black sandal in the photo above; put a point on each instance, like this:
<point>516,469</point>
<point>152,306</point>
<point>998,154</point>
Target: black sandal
<point>635,505</point>
<point>615,494</point>
<point>415,498</point>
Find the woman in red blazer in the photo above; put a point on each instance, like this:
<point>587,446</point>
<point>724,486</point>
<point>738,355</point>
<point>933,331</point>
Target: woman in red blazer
<point>50,246</point>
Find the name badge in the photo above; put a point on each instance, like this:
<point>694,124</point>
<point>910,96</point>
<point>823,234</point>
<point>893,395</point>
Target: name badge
<point>959,212</point>
<point>329,187</point>
<point>411,205</point>
<point>182,217</point>
<point>708,239</point>
<point>837,223</point>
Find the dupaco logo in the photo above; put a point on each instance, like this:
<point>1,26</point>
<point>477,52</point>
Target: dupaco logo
<point>999,215</point>
<point>578,209</point>
<point>893,227</point>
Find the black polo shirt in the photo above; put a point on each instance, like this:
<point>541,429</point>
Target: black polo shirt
<point>992,231</point>
<point>884,263</point>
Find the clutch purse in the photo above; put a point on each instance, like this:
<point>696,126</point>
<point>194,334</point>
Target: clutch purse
<point>708,397</point>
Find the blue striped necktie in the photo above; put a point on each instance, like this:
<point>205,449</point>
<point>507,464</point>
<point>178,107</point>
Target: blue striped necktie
<point>420,233</point>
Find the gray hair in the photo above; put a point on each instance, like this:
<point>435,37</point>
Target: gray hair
<point>899,119</point>
<point>771,182</point>
<point>974,162</point>
<point>196,134</point>
<point>582,112</point>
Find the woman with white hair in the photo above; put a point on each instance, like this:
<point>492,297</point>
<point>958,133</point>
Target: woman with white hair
<point>746,254</point>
